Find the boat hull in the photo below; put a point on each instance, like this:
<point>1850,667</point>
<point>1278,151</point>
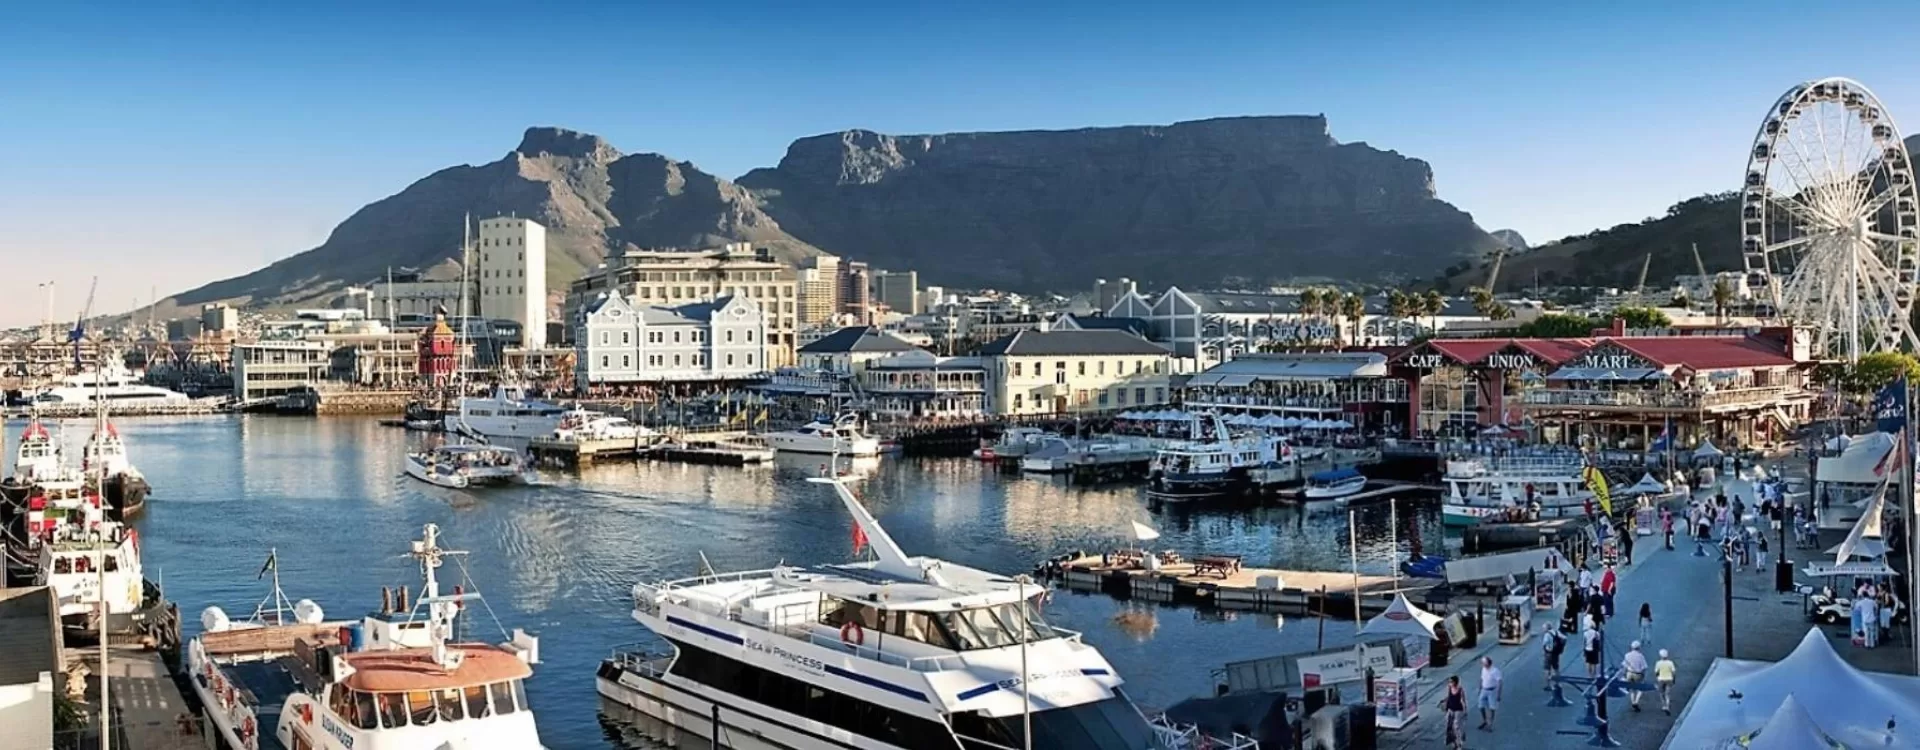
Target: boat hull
<point>1334,492</point>
<point>499,427</point>
<point>1197,486</point>
<point>808,444</point>
<point>126,495</point>
<point>688,710</point>
<point>428,474</point>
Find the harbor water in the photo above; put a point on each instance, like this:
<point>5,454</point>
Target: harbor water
<point>328,496</point>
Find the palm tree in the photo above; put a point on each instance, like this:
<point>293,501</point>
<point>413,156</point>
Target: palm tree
<point>1399,307</point>
<point>1722,299</point>
<point>1483,301</point>
<point>1431,304</point>
<point>1354,307</point>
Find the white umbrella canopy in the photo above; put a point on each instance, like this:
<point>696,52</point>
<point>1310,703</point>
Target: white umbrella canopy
<point>1790,729</point>
<point>1291,422</point>
<point>1646,486</point>
<point>1402,618</point>
<point>1240,419</point>
<point>1272,420</point>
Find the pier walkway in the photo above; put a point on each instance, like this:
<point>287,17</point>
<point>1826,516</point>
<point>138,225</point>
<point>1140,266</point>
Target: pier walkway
<point>148,706</point>
<point>1686,595</point>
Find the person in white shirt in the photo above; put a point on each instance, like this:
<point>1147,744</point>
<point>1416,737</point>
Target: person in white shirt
<point>1586,581</point>
<point>1490,680</point>
<point>1635,666</point>
<point>1590,649</point>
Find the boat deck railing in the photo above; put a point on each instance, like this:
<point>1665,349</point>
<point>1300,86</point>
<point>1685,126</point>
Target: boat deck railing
<point>1189,737</point>
<point>646,659</point>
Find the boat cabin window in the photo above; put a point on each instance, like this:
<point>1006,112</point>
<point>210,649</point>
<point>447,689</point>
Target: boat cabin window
<point>477,702</point>
<point>393,710</point>
<point>420,704</point>
<point>503,694</point>
<point>452,707</point>
<point>1100,725</point>
<point>363,715</point>
<point>960,630</point>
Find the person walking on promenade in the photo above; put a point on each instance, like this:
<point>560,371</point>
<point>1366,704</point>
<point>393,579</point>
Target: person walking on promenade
<point>1552,645</point>
<point>1609,583</point>
<point>1585,582</point>
<point>1635,667</point>
<point>1590,649</point>
<point>1490,682</point>
<point>1663,678</point>
<point>1760,559</point>
<point>1455,704</point>
<point>1666,525</point>
<point>1626,544</point>
<point>1646,622</point>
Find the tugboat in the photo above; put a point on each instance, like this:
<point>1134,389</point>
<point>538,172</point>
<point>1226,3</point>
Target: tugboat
<point>37,458</point>
<point>86,558</point>
<point>105,457</point>
<point>397,678</point>
<point>892,653</point>
<point>1218,465</point>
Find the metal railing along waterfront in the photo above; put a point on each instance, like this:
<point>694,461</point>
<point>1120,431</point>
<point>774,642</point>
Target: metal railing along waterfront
<point>647,598</point>
<point>1654,399</point>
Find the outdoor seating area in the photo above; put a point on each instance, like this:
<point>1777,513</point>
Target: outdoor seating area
<point>1222,565</point>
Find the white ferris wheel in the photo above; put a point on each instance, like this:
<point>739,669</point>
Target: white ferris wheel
<point>1828,219</point>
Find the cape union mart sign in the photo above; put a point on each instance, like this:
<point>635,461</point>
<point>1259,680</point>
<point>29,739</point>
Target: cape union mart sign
<point>1493,361</point>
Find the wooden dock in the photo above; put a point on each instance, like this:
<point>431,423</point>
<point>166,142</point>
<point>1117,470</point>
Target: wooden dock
<point>578,452</point>
<point>1247,588</point>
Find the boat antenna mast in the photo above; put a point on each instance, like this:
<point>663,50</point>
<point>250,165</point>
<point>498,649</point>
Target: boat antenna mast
<point>440,610</point>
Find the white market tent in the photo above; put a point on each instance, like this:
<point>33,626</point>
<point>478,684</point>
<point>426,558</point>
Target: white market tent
<point>1865,549</point>
<point>1857,464</point>
<point>1400,619</point>
<point>1790,729</point>
<point>1853,705</point>
<point>1646,486</point>
<point>1707,451</point>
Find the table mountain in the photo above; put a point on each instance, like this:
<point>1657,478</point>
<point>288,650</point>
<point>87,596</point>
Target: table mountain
<point>1238,201</point>
<point>590,196</point>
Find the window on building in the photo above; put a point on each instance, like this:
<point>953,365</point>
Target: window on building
<point>626,361</point>
<point>1103,397</point>
<point>626,337</point>
<point>1160,395</point>
<point>676,337</point>
<point>1016,369</point>
<point>605,338</point>
<point>604,359</point>
<point>729,339</point>
<point>1101,368</point>
<point>1140,396</point>
<point>1016,402</point>
<point>676,360</point>
<point>749,360</point>
<point>1139,365</point>
<point>1120,395</point>
<point>749,339</point>
<point>729,360</point>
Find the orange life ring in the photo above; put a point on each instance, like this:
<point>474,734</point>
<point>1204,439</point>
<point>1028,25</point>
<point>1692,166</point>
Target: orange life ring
<point>852,633</point>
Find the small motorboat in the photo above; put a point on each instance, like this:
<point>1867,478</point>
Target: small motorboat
<point>1338,483</point>
<point>1424,566</point>
<point>464,465</point>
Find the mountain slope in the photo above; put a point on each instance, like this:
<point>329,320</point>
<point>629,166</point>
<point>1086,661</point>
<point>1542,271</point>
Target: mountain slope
<point>591,198</point>
<point>1612,257</point>
<point>1237,201</point>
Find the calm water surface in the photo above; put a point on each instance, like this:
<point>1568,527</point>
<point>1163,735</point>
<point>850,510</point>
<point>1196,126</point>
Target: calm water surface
<point>559,559</point>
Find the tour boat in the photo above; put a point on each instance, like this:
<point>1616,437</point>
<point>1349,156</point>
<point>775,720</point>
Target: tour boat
<point>1015,443</point>
<point>1216,465</point>
<point>109,384</point>
<point>892,653</point>
<point>580,424</point>
<point>397,679</point>
<point>105,458</point>
<point>463,465</point>
<point>1338,483</point>
<point>507,412</point>
<point>839,436</point>
<point>1479,489</point>
<point>85,558</point>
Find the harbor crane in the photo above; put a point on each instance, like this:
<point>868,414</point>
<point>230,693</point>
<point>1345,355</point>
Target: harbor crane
<point>79,332</point>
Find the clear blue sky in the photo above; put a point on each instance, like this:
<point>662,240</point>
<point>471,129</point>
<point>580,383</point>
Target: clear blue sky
<point>167,144</point>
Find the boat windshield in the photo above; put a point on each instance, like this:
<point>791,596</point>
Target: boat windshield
<point>1111,724</point>
<point>958,630</point>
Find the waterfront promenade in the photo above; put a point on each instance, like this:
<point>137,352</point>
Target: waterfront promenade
<point>1687,599</point>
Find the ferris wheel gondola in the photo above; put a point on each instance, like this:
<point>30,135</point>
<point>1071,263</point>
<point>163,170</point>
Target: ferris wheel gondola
<point>1828,219</point>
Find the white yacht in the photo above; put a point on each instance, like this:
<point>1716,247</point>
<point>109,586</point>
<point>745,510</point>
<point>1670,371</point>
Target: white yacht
<point>1013,444</point>
<point>394,680</point>
<point>110,383</point>
<point>461,465</point>
<point>840,436</point>
<point>581,424</point>
<point>896,653</point>
<point>1546,485</point>
<point>105,458</point>
<point>508,412</point>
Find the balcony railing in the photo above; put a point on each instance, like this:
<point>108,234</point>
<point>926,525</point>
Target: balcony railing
<point>1659,399</point>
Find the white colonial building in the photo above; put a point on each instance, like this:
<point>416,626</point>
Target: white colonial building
<point>848,350</point>
<point>616,342</point>
<point>1203,329</point>
<point>1064,372</point>
<point>917,384</point>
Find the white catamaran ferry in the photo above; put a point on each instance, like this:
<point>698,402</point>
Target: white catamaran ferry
<point>394,680</point>
<point>461,465</point>
<point>1543,486</point>
<point>896,653</point>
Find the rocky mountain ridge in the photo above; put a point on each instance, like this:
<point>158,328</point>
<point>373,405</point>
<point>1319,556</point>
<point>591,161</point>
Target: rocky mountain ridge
<point>1238,201</point>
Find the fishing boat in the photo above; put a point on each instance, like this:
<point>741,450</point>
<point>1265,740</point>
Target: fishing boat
<point>1518,486</point>
<point>891,653</point>
<point>463,465</point>
<point>105,459</point>
<point>1216,463</point>
<point>1337,483</point>
<point>838,436</point>
<point>85,558</point>
<point>397,678</point>
<point>36,458</point>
